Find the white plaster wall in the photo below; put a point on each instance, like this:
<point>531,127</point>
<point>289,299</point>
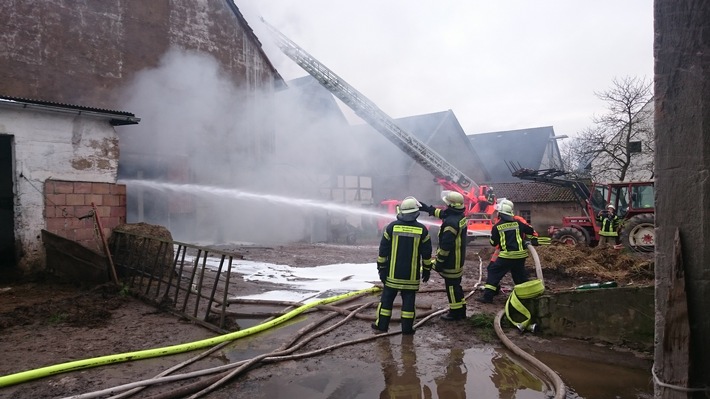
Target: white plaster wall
<point>57,146</point>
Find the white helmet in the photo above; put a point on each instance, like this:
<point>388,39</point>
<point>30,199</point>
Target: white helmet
<point>409,205</point>
<point>505,207</point>
<point>453,199</point>
<point>610,206</point>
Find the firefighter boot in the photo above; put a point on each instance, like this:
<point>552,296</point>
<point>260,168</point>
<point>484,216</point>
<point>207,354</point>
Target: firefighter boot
<point>487,296</point>
<point>454,314</point>
<point>407,326</point>
<point>381,325</point>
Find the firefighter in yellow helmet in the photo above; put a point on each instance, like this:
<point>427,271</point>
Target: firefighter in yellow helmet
<point>405,248</point>
<point>451,254</point>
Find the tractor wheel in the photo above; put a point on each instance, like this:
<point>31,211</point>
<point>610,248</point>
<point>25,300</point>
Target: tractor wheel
<point>639,233</point>
<point>570,236</point>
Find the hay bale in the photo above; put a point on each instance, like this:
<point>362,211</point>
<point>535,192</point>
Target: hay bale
<point>150,240</point>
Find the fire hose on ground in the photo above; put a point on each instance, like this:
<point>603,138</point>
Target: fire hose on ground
<point>231,370</point>
<point>28,375</point>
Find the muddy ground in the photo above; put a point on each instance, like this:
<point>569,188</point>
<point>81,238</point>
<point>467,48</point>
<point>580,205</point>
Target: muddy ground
<point>42,323</point>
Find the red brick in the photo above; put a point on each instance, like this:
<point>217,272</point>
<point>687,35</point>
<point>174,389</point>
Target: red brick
<point>110,200</point>
<point>85,234</point>
<point>74,223</point>
<point>62,187</point>
<point>111,222</point>
<point>118,189</point>
<point>100,188</point>
<point>81,211</point>
<point>104,211</point>
<point>56,199</point>
<point>81,187</point>
<point>122,200</point>
<point>75,199</point>
<point>118,211</point>
<point>56,224</point>
<point>92,198</point>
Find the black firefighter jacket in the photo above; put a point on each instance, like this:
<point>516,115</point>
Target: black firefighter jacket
<point>402,248</point>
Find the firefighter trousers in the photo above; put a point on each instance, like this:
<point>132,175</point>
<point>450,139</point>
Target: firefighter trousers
<point>454,294</point>
<point>384,309</point>
<point>498,269</point>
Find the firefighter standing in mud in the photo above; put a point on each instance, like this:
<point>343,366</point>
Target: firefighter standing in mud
<point>509,235</point>
<point>496,251</point>
<point>405,247</point>
<point>608,224</point>
<point>451,254</point>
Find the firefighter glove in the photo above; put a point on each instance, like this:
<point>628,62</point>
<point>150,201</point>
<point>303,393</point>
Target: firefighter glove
<point>427,208</point>
<point>382,271</point>
<point>383,276</point>
<point>425,275</point>
<point>534,242</point>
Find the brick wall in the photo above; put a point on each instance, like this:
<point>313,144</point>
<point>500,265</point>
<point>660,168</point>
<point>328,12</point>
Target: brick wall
<point>67,201</point>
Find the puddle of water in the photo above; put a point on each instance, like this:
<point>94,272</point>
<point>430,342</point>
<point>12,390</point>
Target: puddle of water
<point>402,370</point>
<point>593,380</point>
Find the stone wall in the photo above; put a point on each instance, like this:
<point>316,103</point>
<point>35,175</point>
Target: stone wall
<point>82,52</point>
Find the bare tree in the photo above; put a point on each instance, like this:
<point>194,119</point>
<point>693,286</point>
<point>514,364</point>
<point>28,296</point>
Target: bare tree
<point>619,146</point>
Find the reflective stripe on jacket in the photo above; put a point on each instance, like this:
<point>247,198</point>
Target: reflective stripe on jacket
<point>404,247</point>
<point>451,254</point>
<point>497,249</point>
<point>608,224</point>
<point>508,235</point>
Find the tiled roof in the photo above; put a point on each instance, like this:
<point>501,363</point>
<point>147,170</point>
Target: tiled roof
<point>533,192</point>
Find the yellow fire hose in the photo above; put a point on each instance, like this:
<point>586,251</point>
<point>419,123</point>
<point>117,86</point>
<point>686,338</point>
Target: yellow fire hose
<point>28,375</point>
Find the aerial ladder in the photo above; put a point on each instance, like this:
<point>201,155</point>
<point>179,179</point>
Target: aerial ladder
<point>477,209</point>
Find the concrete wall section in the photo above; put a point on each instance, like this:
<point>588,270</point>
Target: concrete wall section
<point>612,315</point>
<point>54,145</point>
<point>682,118</point>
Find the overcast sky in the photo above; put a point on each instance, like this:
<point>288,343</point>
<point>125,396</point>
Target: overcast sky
<point>498,64</point>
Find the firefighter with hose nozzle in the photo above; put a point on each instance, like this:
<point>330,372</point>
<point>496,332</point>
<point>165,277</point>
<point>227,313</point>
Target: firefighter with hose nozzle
<point>451,254</point>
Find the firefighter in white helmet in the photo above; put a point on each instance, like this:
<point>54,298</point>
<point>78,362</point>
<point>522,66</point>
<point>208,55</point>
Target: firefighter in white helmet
<point>508,234</point>
<point>405,248</point>
<point>608,225</point>
<point>451,254</point>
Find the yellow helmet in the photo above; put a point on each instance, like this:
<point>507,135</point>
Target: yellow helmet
<point>453,199</point>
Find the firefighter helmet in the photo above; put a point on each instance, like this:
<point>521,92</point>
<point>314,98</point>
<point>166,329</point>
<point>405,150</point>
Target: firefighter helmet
<point>506,207</point>
<point>453,199</point>
<point>610,206</point>
<point>409,205</point>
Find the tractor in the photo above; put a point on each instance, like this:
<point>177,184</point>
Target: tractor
<point>633,203</point>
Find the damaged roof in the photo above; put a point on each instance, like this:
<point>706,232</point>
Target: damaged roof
<point>533,192</point>
<point>532,148</point>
